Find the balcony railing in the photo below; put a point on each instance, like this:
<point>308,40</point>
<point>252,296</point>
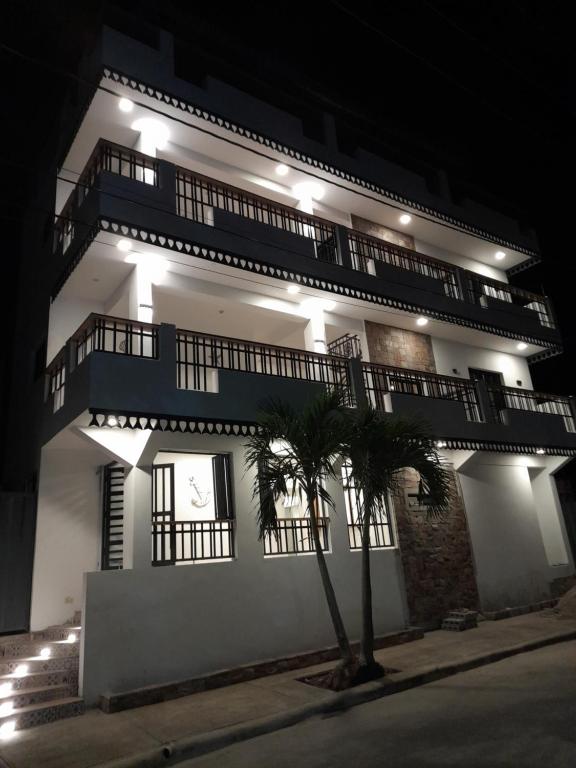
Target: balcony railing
<point>101,333</point>
<point>380,535</point>
<point>294,536</point>
<point>381,380</point>
<point>56,380</point>
<point>184,541</point>
<point>197,197</point>
<point>200,198</point>
<point>199,356</point>
<point>347,346</point>
<point>502,398</point>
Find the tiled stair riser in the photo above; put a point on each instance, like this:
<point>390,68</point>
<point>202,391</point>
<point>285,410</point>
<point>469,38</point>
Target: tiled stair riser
<point>58,649</point>
<point>28,697</point>
<point>46,712</point>
<point>8,667</point>
<point>41,679</point>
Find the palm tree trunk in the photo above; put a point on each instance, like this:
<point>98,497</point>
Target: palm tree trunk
<point>339,628</point>
<point>367,642</point>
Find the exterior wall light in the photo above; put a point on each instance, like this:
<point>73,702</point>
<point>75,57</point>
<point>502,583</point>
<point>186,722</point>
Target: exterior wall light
<point>125,105</point>
<point>499,255</point>
<point>282,170</point>
<point>7,730</point>
<point>521,345</point>
<point>293,289</point>
<point>124,245</point>
<point>405,218</point>
<point>422,321</point>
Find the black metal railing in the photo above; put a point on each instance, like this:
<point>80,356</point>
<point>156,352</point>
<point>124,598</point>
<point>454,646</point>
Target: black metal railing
<point>198,196</point>
<point>347,346</point>
<point>366,250</point>
<point>294,536</point>
<point>381,380</point>
<point>380,535</point>
<point>184,541</point>
<point>481,289</point>
<point>56,380</point>
<point>198,356</point>
<point>502,398</point>
<point>101,333</point>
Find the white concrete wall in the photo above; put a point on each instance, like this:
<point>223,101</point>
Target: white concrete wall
<point>67,533</point>
<point>511,564</point>
<point>451,354</point>
<point>550,517</point>
<point>152,625</point>
<point>66,316</point>
<point>461,261</point>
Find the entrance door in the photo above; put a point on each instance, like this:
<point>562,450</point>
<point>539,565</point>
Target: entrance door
<point>493,380</point>
<point>163,515</point>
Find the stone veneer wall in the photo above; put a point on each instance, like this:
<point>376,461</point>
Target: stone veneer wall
<point>436,556</point>
<point>377,230</point>
<point>388,345</point>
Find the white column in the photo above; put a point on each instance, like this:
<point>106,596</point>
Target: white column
<point>137,518</point>
<point>140,296</point>
<point>315,332</point>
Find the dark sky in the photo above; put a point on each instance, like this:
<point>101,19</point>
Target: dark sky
<point>483,89</point>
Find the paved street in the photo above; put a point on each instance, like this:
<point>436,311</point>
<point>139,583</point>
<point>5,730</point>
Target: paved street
<point>519,713</point>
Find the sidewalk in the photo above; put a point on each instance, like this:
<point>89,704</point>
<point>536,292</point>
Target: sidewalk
<point>242,710</point>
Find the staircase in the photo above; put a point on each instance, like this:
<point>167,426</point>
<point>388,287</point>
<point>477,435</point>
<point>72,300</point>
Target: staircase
<point>39,677</point>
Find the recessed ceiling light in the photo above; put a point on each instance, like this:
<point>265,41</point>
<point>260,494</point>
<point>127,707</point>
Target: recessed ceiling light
<point>293,289</point>
<point>540,451</point>
<point>422,321</point>
<point>440,444</point>
<point>282,169</point>
<point>499,255</point>
<point>405,218</point>
<point>124,245</point>
<point>112,421</point>
<point>125,105</point>
<point>521,345</point>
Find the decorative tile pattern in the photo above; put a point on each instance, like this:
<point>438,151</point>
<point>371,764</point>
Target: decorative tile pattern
<point>400,348</point>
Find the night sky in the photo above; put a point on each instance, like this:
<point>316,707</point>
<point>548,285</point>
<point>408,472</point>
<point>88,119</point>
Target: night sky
<point>482,89</point>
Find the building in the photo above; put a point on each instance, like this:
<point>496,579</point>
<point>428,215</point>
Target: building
<point>209,255</point>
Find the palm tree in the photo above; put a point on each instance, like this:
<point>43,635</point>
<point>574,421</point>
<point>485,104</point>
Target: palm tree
<point>378,448</point>
<point>297,450</point>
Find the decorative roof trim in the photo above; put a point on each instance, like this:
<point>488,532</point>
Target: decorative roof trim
<point>267,141</point>
<point>202,426</point>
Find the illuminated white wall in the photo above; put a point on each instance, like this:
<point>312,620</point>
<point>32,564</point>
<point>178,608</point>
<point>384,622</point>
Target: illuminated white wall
<point>198,467</point>
<point>66,316</point>
<point>458,260</point>
<point>451,354</point>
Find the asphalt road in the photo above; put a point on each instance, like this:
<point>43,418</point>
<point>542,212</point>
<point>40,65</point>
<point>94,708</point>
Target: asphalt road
<point>520,713</point>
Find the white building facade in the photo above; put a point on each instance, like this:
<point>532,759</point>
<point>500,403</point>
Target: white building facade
<point>209,257</point>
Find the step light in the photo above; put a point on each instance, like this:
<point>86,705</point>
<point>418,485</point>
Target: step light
<point>7,730</point>
<point>45,653</point>
<point>21,670</point>
<point>6,708</point>
<point>72,637</point>
<point>6,689</point>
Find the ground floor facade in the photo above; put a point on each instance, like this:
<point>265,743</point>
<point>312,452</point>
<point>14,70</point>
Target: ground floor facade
<point>153,536</point>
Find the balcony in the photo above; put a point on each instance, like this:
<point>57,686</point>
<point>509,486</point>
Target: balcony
<point>174,207</point>
<point>138,375</point>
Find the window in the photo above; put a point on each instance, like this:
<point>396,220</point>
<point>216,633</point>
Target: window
<point>192,508</point>
<point>380,529</point>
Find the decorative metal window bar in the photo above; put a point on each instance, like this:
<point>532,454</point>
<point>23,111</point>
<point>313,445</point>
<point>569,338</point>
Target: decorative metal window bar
<point>525,400</point>
<point>366,249</point>
<point>56,373</point>
<point>197,197</point>
<point>185,541</point>
<point>101,333</point>
<point>380,380</point>
<point>198,355</point>
<point>294,536</point>
<point>380,529</point>
<point>481,289</point>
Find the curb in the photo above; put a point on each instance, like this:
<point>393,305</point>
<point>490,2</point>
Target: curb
<point>201,744</point>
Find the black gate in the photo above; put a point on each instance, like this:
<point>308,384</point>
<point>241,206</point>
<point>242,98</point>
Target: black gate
<point>113,518</point>
<point>163,515</point>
